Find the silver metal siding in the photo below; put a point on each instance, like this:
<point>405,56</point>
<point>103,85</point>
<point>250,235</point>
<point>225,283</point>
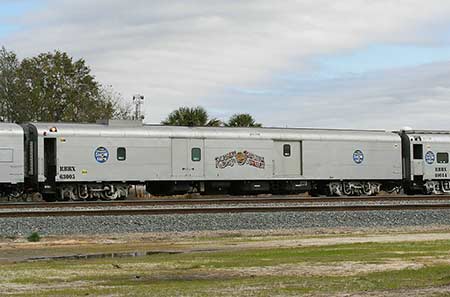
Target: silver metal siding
<point>434,143</point>
<point>11,145</point>
<point>326,153</point>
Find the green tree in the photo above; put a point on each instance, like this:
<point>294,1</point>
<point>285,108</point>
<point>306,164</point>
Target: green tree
<point>242,120</point>
<point>8,77</point>
<point>54,87</point>
<point>190,116</point>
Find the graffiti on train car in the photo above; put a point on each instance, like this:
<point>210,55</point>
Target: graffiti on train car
<point>240,158</point>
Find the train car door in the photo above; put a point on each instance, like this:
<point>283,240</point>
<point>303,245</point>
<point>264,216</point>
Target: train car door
<point>187,157</point>
<point>50,162</point>
<point>417,163</point>
<point>287,158</point>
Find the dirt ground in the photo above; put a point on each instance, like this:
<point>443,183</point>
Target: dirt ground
<point>19,250</point>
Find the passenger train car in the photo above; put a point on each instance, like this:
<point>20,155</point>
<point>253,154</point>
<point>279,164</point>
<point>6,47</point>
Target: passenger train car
<point>101,161</point>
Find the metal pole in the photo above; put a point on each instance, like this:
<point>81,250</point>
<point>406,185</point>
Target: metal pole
<point>138,100</point>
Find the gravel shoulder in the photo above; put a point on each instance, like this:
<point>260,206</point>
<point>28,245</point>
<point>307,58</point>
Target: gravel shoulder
<point>91,225</point>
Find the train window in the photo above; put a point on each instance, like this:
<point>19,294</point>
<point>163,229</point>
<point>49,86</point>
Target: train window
<point>287,150</point>
<point>121,153</point>
<point>442,158</point>
<point>418,151</point>
<point>196,154</point>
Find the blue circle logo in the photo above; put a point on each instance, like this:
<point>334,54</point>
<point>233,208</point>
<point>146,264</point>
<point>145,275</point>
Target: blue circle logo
<point>358,157</point>
<point>101,154</point>
<point>429,157</point>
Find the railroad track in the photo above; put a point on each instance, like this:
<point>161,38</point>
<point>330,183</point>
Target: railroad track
<point>219,200</point>
<point>211,210</point>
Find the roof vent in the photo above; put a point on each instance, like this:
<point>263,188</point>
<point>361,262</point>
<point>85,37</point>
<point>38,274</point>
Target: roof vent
<point>406,128</point>
<point>121,123</point>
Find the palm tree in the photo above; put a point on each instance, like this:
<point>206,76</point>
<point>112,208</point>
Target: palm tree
<point>214,123</point>
<point>242,120</point>
<point>190,116</point>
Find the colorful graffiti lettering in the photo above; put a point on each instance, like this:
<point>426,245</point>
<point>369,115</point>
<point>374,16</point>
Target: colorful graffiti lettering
<point>240,158</point>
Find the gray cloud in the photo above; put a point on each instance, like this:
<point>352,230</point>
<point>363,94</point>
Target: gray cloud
<point>194,52</point>
<point>416,96</point>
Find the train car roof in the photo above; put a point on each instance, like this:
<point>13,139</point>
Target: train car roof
<point>434,136</point>
<point>435,132</point>
<point>10,129</point>
<point>159,131</point>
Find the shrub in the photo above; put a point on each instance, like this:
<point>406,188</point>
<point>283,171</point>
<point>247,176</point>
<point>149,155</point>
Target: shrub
<point>34,237</point>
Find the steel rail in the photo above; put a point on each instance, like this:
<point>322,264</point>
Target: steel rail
<point>209,210</point>
<point>220,200</point>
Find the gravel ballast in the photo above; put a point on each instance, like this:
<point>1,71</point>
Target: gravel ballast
<point>215,222</point>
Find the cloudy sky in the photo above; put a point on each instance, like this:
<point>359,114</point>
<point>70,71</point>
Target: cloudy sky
<point>305,63</point>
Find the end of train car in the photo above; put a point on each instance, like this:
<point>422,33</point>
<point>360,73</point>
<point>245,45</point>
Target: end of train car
<point>425,157</point>
<point>11,160</point>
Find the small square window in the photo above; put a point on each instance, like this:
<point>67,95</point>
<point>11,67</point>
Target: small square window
<point>442,158</point>
<point>121,154</point>
<point>196,154</point>
<point>287,150</point>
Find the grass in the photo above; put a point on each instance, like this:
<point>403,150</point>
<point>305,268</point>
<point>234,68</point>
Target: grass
<point>360,252</point>
<point>129,285</point>
<point>235,272</point>
<point>34,237</point>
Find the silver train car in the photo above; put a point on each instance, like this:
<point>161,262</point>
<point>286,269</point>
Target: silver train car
<point>100,161</point>
<point>12,176</point>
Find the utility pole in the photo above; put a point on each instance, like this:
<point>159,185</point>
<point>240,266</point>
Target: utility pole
<point>138,101</point>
